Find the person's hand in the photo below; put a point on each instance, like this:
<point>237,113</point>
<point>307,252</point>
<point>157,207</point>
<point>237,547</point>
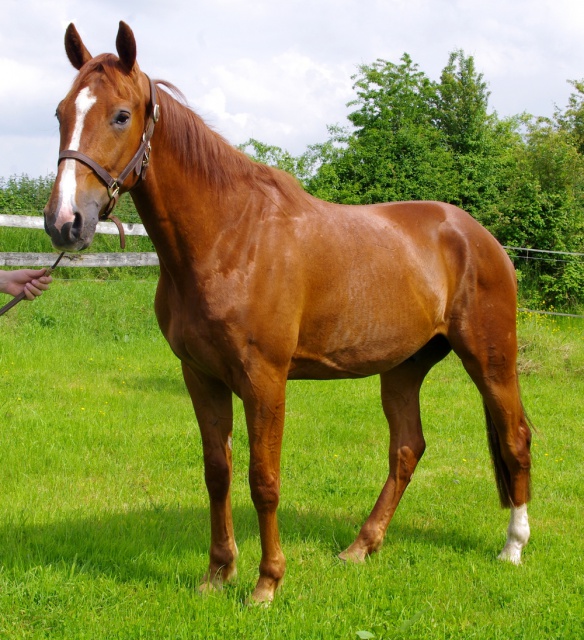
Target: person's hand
<point>32,282</point>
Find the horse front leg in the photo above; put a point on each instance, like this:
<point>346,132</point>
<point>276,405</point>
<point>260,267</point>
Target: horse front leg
<point>212,401</point>
<point>264,403</point>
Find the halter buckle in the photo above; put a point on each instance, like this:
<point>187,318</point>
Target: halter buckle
<point>113,190</point>
<point>146,158</point>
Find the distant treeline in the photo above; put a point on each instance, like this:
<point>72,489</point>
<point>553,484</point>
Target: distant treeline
<point>411,138</point>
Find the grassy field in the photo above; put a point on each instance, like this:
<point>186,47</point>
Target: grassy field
<point>104,526</point>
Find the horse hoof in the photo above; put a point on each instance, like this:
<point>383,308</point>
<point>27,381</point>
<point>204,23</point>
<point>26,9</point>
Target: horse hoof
<point>510,553</point>
<point>356,556</point>
<point>263,594</point>
<point>209,585</point>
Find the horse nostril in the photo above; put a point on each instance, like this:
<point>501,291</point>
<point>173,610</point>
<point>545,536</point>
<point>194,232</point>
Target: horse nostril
<point>71,231</point>
<point>77,226</point>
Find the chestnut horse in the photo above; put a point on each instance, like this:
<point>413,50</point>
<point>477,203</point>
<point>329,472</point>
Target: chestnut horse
<point>261,283</point>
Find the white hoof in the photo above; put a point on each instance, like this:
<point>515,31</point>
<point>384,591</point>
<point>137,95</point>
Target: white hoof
<point>511,553</point>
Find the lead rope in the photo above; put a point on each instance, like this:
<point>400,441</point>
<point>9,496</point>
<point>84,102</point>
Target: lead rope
<point>22,295</point>
<point>120,227</point>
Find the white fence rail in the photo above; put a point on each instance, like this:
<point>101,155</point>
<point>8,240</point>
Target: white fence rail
<point>128,259</point>
<point>131,259</point>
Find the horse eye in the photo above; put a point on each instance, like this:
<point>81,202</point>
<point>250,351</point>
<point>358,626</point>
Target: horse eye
<point>122,118</point>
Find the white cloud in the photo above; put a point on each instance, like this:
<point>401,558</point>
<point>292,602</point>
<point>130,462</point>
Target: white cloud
<point>289,97</point>
<point>22,82</point>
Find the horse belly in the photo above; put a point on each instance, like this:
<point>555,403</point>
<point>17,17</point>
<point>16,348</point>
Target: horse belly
<point>365,337</point>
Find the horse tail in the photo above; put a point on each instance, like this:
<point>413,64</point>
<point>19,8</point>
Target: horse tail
<point>502,474</point>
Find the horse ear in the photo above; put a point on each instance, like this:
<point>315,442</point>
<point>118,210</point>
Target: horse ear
<point>126,46</point>
<point>76,51</point>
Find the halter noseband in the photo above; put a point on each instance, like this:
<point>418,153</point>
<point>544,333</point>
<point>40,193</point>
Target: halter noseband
<point>139,163</point>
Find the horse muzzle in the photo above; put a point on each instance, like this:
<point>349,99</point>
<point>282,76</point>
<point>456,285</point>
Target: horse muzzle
<point>71,229</point>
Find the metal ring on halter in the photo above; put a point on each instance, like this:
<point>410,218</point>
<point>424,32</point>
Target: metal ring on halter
<point>113,190</point>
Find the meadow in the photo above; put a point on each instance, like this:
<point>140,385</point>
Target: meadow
<point>104,527</point>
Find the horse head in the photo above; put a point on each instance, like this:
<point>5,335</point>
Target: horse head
<point>105,122</point>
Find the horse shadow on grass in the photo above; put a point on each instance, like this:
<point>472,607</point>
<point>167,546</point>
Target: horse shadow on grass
<point>171,384</point>
<point>157,544</point>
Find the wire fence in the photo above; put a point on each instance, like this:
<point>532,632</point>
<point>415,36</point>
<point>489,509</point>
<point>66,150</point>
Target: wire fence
<point>528,251</point>
<point>544,255</point>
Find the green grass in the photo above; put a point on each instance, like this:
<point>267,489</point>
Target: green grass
<point>104,528</point>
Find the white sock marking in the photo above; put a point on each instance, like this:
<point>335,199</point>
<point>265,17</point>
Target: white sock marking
<point>517,535</point>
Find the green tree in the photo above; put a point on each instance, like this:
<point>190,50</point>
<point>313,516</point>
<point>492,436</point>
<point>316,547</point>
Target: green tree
<point>571,120</point>
<point>271,155</point>
<point>481,146</point>
<point>543,208</point>
<point>461,104</point>
<point>394,151</point>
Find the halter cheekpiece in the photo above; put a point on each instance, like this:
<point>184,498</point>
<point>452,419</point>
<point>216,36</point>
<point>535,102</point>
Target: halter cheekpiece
<point>139,163</point>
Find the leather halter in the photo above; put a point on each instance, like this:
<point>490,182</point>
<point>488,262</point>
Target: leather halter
<point>139,163</point>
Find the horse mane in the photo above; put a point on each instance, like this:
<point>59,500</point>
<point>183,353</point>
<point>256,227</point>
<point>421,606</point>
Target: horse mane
<point>205,152</point>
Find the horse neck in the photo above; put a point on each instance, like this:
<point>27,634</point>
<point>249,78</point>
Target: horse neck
<point>184,214</point>
<point>200,192</point>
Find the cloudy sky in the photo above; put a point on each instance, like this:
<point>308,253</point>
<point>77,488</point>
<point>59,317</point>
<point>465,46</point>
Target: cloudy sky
<point>279,70</point>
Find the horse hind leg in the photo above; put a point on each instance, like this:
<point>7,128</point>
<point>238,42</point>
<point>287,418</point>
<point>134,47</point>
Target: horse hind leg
<point>517,535</point>
<point>492,366</point>
<point>400,394</point>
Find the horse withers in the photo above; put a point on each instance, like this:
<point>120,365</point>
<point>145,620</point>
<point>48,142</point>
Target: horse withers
<point>261,283</point>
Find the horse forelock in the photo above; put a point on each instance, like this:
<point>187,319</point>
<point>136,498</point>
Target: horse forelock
<point>107,67</point>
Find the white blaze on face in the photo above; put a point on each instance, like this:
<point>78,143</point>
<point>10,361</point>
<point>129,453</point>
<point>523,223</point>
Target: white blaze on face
<point>67,185</point>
